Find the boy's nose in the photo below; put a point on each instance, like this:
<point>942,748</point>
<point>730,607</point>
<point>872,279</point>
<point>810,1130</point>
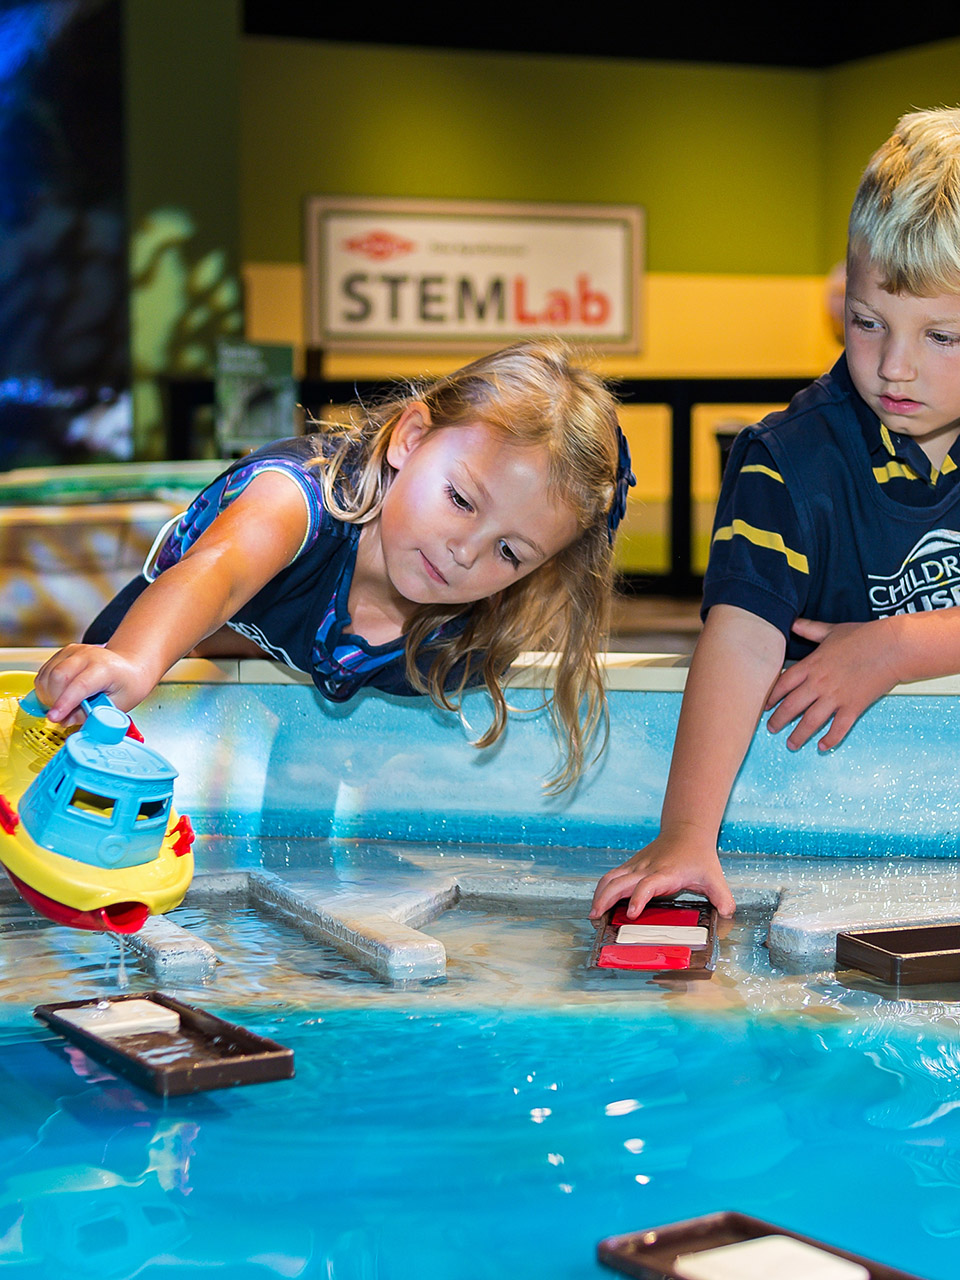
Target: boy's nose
<point>896,363</point>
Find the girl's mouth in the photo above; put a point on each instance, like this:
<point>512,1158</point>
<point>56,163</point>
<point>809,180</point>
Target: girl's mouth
<point>433,572</point>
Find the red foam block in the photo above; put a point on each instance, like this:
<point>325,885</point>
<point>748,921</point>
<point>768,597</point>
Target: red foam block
<point>657,915</point>
<point>627,955</point>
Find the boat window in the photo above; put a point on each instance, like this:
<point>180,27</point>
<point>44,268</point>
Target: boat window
<point>90,802</point>
<point>152,809</point>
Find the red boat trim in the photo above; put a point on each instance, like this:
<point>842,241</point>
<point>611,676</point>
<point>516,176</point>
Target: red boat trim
<point>118,917</point>
<point>185,836</point>
<point>9,821</point>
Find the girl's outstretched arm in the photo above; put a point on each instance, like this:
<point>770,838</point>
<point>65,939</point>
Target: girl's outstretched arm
<point>246,545</point>
<point>854,664</point>
<point>737,659</point>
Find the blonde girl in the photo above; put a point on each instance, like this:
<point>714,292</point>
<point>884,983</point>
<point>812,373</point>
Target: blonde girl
<point>417,551</point>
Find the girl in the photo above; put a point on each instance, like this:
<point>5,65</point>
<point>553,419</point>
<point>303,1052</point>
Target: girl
<point>417,552</point>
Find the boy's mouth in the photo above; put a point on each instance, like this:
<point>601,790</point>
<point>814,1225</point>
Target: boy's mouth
<point>899,404</point>
<point>433,572</point>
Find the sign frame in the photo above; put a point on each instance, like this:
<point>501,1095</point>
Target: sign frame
<point>319,210</point>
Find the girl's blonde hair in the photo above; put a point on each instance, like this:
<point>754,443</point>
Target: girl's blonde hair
<point>532,393</point>
<point>905,220</point>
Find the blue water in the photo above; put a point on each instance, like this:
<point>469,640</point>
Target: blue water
<point>449,1144</point>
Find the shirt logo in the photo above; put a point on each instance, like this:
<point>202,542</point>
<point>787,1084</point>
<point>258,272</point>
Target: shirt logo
<point>929,577</point>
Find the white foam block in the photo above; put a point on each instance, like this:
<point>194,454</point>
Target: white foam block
<point>765,1258</point>
<point>664,935</point>
<point>121,1018</point>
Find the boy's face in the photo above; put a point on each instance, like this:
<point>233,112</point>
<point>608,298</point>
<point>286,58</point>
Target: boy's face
<point>903,353</point>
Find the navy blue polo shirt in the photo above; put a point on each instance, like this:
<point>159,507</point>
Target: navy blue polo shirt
<point>827,514</point>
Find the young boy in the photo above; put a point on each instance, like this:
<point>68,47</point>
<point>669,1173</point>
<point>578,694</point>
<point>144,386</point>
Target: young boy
<point>837,537</point>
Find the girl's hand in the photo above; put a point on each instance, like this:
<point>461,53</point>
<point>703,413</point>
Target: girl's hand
<point>244,548</point>
<point>853,665</point>
<point>81,670</point>
<point>667,865</point>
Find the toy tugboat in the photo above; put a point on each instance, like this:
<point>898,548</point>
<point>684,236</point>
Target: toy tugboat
<point>88,833</point>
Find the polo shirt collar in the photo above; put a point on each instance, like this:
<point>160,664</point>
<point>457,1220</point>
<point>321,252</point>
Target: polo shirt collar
<point>887,447</point>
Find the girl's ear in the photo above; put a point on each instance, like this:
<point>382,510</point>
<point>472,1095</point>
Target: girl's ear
<point>409,429</point>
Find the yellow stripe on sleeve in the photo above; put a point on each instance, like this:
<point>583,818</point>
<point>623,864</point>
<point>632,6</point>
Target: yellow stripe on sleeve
<point>763,538</point>
<point>767,471</point>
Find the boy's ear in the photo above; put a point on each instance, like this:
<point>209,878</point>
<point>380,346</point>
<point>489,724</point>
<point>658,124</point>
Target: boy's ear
<point>409,429</point>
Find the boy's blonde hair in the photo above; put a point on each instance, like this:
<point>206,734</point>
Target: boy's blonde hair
<point>905,220</point>
<point>532,393</point>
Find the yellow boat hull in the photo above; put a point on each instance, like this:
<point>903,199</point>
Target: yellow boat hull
<point>26,745</point>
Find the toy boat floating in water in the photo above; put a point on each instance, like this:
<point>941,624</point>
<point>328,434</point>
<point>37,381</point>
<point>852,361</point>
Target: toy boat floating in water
<point>88,833</point>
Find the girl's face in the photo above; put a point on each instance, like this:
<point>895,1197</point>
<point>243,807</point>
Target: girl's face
<point>467,513</point>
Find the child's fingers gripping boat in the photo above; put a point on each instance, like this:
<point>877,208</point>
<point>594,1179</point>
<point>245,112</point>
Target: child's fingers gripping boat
<point>88,833</point>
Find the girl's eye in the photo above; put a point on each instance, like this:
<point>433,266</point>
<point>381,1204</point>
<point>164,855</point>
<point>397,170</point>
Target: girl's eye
<point>458,499</point>
<point>945,339</point>
<point>508,555</point>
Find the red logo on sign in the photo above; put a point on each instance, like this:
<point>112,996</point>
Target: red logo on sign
<point>380,245</point>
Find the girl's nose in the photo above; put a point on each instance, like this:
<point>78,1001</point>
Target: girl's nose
<point>463,551</point>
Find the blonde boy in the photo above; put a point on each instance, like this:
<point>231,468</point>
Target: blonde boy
<point>837,537</point>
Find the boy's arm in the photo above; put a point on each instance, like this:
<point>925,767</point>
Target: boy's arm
<point>246,545</point>
<point>854,664</point>
<point>737,659</point>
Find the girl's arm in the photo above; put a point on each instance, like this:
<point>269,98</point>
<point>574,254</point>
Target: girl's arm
<point>737,658</point>
<point>246,545</point>
<point>854,664</point>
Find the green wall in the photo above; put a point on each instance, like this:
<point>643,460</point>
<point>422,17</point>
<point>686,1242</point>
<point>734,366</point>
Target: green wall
<point>865,99</point>
<point>182,111</point>
<point>704,148</point>
<point>182,119</point>
<point>741,169</point>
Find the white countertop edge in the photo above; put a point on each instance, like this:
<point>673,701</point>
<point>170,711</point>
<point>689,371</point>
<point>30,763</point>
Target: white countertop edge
<point>639,672</point>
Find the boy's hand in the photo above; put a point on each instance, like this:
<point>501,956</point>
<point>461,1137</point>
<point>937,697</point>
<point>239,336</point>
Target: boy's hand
<point>667,865</point>
<point>81,670</point>
<point>853,665</point>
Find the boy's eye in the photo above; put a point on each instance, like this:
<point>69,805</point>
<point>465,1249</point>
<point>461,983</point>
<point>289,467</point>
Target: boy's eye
<point>458,499</point>
<point>864,322</point>
<point>945,339</point>
<point>509,555</point>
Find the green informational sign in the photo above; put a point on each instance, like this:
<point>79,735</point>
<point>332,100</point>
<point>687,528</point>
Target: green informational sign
<point>255,395</point>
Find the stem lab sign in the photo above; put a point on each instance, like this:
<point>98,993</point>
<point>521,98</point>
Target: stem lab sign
<point>395,275</point>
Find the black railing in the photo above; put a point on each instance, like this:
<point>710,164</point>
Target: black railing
<point>680,395</point>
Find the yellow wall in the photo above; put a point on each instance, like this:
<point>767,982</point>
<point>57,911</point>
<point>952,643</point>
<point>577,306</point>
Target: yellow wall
<point>694,326</point>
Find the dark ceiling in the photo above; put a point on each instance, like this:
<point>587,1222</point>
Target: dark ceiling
<point>812,35</point>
